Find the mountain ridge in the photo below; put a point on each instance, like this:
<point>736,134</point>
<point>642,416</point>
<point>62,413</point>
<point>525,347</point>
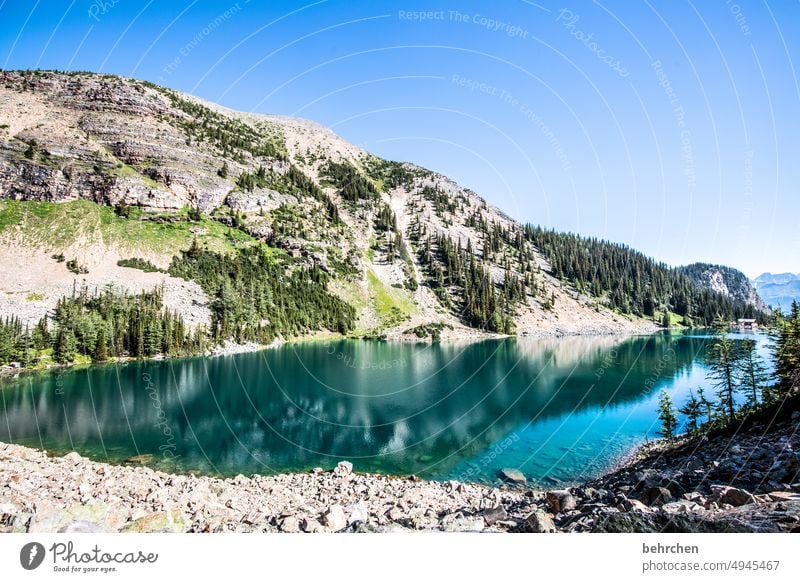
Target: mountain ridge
<point>108,172</point>
<point>779,290</point>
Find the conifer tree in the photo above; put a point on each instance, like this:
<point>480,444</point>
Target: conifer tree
<point>692,409</point>
<point>666,414</point>
<point>723,357</point>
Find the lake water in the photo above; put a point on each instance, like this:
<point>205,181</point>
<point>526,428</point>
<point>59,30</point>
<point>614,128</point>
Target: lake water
<point>559,410</point>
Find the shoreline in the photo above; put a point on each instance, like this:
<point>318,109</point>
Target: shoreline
<point>746,482</point>
<point>230,348</point>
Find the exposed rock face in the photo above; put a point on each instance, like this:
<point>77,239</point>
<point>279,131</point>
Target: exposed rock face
<point>726,281</point>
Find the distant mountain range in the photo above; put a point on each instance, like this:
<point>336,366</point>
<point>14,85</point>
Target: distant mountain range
<point>778,290</point>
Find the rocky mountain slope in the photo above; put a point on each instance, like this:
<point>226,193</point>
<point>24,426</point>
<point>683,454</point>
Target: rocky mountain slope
<point>779,290</point>
<point>727,281</point>
<point>98,173</point>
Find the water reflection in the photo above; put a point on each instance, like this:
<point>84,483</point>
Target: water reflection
<point>436,410</point>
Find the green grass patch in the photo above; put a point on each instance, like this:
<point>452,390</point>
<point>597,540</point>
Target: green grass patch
<point>393,306</point>
<point>58,225</point>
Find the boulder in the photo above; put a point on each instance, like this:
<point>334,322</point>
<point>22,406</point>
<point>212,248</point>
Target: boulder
<point>73,458</point>
<point>311,525</point>
<point>657,496</point>
<point>783,496</point>
<point>466,524</point>
<point>561,500</point>
<point>494,514</point>
<point>358,513</point>
<point>343,469</point>
<point>334,518</point>
<point>540,522</point>
<point>512,475</point>
<point>81,526</point>
<point>633,505</point>
<point>170,521</point>
<point>289,524</point>
<point>104,517</point>
<point>732,495</point>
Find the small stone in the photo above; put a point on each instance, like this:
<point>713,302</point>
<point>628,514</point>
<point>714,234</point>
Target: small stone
<point>334,519</point>
<point>540,522</point>
<point>311,525</point>
<point>494,514</point>
<point>358,513</point>
<point>290,524</point>
<point>73,458</point>
<point>512,475</point>
<point>81,526</point>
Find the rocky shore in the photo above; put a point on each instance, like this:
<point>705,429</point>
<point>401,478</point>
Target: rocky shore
<point>744,482</point>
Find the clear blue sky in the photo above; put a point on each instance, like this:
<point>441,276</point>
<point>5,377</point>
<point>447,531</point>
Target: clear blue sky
<point>670,126</point>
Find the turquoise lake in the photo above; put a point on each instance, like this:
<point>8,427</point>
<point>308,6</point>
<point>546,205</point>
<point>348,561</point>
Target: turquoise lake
<point>559,410</point>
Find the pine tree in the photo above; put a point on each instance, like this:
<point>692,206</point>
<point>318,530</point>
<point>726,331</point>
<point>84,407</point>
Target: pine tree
<point>692,410</point>
<point>723,358</point>
<point>65,348</point>
<point>752,372</point>
<point>705,404</point>
<point>101,347</point>
<point>787,353</point>
<point>666,414</point>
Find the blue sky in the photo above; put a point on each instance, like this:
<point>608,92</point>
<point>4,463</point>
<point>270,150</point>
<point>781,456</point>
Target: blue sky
<point>669,126</point>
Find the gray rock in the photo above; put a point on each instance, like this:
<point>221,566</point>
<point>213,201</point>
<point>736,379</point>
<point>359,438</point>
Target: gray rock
<point>289,524</point>
<point>343,469</point>
<point>334,519</point>
<point>560,500</point>
<point>311,525</point>
<point>81,526</point>
<point>494,514</point>
<point>540,522</point>
<point>732,495</point>
<point>358,513</point>
<point>657,496</point>
<point>512,475</point>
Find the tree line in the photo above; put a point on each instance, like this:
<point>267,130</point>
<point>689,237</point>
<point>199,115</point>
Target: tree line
<point>254,297</point>
<point>99,325</point>
<point>631,282</point>
<point>257,297</point>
